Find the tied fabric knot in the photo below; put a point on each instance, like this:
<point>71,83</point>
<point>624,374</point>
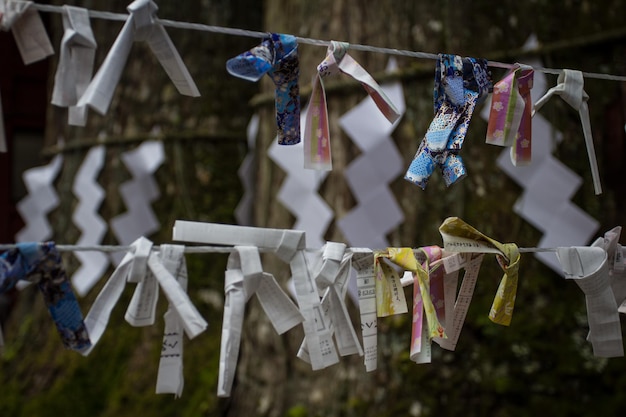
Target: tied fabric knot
<point>276,56</point>
<point>459,85</point>
<point>588,267</point>
<point>316,136</point>
<point>244,277</point>
<point>141,25</point>
<point>331,273</point>
<point>570,86</point>
<point>76,59</point>
<point>42,264</point>
<point>511,112</point>
<point>459,236</point>
<point>405,258</point>
<point>420,351</point>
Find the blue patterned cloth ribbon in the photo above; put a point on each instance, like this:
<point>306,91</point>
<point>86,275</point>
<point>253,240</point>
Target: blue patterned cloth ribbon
<point>41,264</point>
<point>276,56</point>
<point>459,85</point>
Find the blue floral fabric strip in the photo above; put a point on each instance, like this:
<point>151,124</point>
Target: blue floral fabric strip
<point>42,264</point>
<point>459,84</point>
<point>276,56</point>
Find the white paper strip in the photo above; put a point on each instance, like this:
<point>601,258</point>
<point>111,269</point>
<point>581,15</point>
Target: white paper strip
<point>75,67</point>
<point>28,30</point>
<point>363,263</point>
<point>170,378</point>
<point>41,199</point>
<point>88,221</point>
<point>588,267</point>
<point>141,25</point>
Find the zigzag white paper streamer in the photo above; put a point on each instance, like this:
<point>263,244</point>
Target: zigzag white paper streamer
<point>377,211</point>
<point>298,192</point>
<point>243,211</point>
<point>88,221</point>
<point>548,186</point>
<point>139,193</point>
<point>41,199</point>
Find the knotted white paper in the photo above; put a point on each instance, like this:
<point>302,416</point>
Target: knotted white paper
<point>141,25</point>
<point>588,267</point>
<point>245,277</point>
<point>41,199</point>
<point>615,260</point>
<point>28,30</point>
<point>76,58</point>
<point>331,275</point>
<point>289,246</point>
<point>88,221</point>
<point>570,88</point>
<point>140,310</point>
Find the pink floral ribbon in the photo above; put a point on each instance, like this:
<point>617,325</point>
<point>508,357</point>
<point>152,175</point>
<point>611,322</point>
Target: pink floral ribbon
<point>510,114</point>
<point>316,138</point>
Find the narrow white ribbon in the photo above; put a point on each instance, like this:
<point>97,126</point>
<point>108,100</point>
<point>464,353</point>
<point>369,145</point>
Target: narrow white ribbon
<point>331,275</point>
<point>570,88</point>
<point>28,30</point>
<point>75,67</point>
<point>589,268</point>
<point>170,378</point>
<point>363,263</point>
<point>142,25</point>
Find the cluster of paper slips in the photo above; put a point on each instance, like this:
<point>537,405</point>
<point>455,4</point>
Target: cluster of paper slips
<point>320,280</point>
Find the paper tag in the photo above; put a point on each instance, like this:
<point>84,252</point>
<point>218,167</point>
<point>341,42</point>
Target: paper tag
<point>453,262</point>
<point>31,37</point>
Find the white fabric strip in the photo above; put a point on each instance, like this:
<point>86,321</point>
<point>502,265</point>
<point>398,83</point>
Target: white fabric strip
<point>75,67</point>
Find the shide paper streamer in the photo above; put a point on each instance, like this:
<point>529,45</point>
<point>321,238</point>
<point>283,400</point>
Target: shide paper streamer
<point>86,218</point>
